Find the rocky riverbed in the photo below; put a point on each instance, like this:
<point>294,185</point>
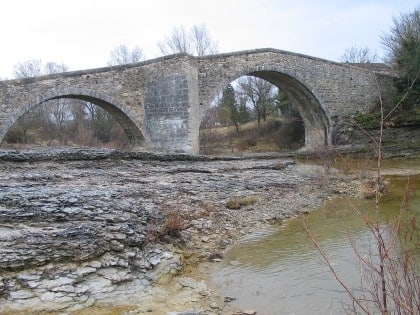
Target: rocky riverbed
<point>81,232</point>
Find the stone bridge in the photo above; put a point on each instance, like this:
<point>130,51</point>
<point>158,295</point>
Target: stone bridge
<point>160,102</point>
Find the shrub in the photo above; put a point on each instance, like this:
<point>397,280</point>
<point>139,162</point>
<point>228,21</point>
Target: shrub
<point>174,223</point>
<point>15,135</point>
<point>236,203</point>
<point>368,120</point>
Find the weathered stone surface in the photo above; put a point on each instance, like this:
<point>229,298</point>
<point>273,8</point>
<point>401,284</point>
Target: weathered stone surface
<point>76,232</point>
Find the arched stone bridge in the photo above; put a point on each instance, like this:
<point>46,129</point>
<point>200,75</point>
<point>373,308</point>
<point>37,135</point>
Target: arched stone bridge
<point>160,102</point>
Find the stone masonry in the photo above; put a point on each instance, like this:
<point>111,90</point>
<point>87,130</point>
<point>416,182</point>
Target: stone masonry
<point>160,102</point>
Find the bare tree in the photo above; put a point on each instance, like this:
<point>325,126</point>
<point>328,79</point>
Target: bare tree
<point>56,113</point>
<point>27,69</point>
<point>259,94</point>
<point>358,55</point>
<point>197,41</point>
<point>121,55</point>
<point>177,42</point>
<point>34,67</point>
<point>53,67</point>
<point>201,41</point>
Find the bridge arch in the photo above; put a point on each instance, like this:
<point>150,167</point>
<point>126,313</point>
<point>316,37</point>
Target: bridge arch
<point>120,112</point>
<point>314,113</point>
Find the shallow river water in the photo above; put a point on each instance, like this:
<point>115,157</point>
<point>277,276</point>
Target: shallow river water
<point>280,271</point>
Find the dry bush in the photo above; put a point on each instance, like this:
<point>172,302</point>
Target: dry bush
<point>236,203</point>
<point>291,135</point>
<point>174,223</point>
<point>211,140</point>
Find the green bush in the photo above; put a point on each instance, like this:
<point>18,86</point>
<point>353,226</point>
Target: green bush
<point>368,120</point>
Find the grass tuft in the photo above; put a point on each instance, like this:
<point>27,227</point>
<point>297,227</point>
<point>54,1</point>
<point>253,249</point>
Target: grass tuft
<point>236,203</point>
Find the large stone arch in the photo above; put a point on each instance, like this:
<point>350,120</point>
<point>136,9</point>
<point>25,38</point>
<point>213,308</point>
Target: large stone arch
<point>315,115</point>
<point>133,129</point>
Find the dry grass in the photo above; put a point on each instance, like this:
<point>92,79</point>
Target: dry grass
<point>270,136</point>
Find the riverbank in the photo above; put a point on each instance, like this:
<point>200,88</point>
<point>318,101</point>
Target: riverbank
<point>142,235</point>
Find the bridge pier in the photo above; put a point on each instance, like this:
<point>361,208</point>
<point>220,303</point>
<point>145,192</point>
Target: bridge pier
<point>171,108</point>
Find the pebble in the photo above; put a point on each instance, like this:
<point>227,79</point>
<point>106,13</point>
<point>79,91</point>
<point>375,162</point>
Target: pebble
<point>229,299</point>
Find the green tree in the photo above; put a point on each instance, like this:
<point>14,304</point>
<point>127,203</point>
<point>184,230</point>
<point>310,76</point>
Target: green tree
<point>244,114</point>
<point>283,103</point>
<point>229,109</point>
<point>403,54</point>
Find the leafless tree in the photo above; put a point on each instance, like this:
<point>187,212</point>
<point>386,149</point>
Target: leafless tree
<point>34,67</point>
<point>258,93</point>
<point>53,67</point>
<point>121,55</point>
<point>358,55</point>
<point>197,41</point>
<point>27,69</point>
<point>201,41</point>
<point>177,42</point>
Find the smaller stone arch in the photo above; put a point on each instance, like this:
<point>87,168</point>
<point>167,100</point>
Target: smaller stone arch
<point>132,127</point>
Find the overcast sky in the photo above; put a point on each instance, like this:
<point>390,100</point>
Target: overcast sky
<point>82,33</point>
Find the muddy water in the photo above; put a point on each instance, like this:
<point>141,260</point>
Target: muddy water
<point>282,273</point>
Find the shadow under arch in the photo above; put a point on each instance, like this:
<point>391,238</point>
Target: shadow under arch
<point>315,116</point>
<point>120,112</point>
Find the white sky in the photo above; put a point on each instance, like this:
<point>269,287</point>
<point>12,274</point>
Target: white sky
<point>82,33</point>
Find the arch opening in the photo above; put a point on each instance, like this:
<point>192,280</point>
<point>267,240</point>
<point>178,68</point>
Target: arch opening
<point>314,116</point>
<point>73,119</point>
<point>307,110</point>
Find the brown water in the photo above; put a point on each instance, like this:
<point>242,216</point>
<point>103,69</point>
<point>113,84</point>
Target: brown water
<point>280,272</point>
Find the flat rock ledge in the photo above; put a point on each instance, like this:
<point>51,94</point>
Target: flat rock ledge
<point>79,232</point>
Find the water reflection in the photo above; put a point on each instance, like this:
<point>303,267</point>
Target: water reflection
<point>282,273</point>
